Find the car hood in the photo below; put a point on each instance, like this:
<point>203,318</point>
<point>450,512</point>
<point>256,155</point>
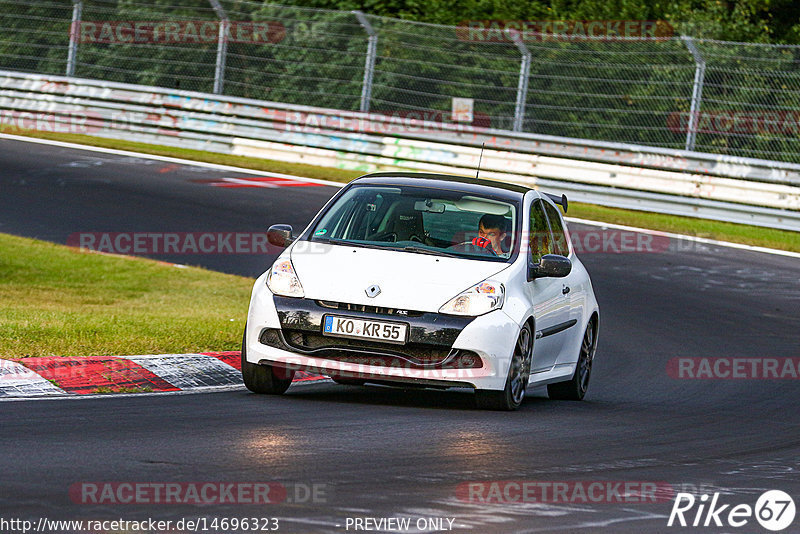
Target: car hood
<point>407,280</point>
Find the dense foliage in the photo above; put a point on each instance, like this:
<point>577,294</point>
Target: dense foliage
<point>774,21</point>
<point>637,91</point>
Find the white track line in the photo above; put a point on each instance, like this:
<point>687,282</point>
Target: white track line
<point>217,166</point>
<point>695,239</point>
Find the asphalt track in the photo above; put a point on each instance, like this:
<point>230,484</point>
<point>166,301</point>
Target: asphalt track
<point>390,453</point>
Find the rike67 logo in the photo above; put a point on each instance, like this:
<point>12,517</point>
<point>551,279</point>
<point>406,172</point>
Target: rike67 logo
<point>774,510</point>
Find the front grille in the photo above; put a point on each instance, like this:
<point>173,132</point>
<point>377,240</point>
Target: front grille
<point>416,352</point>
<point>272,338</point>
<point>365,352</point>
<point>379,310</point>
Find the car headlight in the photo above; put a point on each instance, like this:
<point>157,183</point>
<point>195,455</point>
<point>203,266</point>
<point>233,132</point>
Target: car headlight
<point>283,281</point>
<point>477,300</point>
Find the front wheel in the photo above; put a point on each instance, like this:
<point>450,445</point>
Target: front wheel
<point>264,378</point>
<point>510,398</point>
<point>575,388</point>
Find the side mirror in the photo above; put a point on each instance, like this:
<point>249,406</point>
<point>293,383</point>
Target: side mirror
<point>280,235</point>
<point>551,265</point>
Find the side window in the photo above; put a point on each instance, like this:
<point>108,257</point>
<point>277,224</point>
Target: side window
<point>540,241</point>
<point>560,245</point>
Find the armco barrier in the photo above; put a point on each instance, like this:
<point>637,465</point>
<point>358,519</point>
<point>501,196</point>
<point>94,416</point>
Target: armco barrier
<point>740,190</point>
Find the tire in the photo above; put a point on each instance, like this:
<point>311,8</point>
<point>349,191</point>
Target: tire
<point>264,378</point>
<point>575,388</point>
<point>511,397</point>
<point>348,381</point>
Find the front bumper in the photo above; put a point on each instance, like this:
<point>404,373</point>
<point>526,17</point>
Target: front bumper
<point>287,332</point>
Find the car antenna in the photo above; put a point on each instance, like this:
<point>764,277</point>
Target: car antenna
<point>483,145</point>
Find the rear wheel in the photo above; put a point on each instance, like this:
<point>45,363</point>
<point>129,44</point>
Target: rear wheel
<point>260,378</point>
<point>510,398</point>
<point>575,388</point>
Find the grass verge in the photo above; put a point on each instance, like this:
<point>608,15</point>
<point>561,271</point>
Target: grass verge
<point>737,233</point>
<point>59,301</point>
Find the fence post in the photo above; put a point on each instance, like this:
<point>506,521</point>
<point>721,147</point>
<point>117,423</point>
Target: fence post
<point>524,74</point>
<point>697,91</point>
<point>369,64</point>
<point>74,36</point>
<point>222,46</point>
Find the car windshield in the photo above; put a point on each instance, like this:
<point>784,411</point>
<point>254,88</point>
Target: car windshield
<point>421,220</point>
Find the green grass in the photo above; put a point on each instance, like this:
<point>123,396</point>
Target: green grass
<point>737,233</point>
<point>59,301</point>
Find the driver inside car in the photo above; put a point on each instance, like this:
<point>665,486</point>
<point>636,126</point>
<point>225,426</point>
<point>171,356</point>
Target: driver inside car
<point>491,233</point>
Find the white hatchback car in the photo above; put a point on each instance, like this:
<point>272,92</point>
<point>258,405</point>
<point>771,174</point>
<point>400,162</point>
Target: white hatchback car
<point>427,280</point>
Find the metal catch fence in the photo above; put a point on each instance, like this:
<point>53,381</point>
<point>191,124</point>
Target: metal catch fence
<point>668,90</point>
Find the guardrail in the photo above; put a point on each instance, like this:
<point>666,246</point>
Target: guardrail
<point>742,190</point>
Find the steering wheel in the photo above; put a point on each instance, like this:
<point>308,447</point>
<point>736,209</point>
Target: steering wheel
<point>416,238</point>
<point>469,246</point>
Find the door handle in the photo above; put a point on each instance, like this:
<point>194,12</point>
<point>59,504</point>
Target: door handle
<point>565,290</point>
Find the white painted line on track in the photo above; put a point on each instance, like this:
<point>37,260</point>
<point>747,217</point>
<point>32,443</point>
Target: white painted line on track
<point>695,239</point>
<point>217,166</point>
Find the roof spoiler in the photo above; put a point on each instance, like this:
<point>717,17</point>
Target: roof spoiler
<point>560,200</point>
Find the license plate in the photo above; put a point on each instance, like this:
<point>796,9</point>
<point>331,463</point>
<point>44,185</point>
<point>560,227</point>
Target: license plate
<point>334,325</point>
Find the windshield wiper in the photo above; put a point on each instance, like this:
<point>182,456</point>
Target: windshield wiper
<point>409,248</point>
<point>347,243</point>
<point>421,250</point>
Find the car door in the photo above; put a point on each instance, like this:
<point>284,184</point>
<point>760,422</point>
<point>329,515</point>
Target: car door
<point>551,303</point>
<point>573,284</point>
